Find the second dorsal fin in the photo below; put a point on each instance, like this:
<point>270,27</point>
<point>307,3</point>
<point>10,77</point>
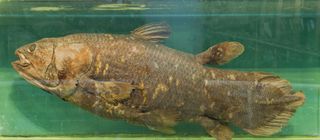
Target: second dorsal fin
<point>153,32</point>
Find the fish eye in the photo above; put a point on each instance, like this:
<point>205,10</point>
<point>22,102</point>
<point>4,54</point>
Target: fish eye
<point>32,48</point>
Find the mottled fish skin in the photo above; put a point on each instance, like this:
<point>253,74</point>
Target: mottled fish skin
<point>173,81</point>
<point>134,77</point>
<point>170,78</point>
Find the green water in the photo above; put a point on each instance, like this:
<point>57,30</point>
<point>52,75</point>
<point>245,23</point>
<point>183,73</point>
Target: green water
<point>280,37</point>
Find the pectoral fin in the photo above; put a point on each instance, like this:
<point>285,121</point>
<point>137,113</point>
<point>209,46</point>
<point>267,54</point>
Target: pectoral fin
<point>221,53</point>
<point>110,90</point>
<point>154,32</point>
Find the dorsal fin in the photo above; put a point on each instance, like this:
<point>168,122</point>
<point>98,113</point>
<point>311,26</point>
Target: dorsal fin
<point>153,32</point>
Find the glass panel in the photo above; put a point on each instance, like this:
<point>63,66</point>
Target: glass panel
<point>280,36</point>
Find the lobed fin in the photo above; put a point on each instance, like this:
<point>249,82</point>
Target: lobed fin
<point>221,53</point>
<point>154,32</point>
<point>161,121</point>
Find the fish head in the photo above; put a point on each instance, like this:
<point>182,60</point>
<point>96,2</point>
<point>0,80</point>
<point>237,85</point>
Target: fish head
<point>53,64</point>
<point>34,59</point>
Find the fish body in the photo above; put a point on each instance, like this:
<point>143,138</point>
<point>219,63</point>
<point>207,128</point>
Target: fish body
<point>168,76</point>
<point>134,77</point>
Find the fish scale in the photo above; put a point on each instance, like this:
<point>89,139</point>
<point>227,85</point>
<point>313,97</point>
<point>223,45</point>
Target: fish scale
<point>182,73</point>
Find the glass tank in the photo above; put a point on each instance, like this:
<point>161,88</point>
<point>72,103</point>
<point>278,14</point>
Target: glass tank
<point>280,37</point>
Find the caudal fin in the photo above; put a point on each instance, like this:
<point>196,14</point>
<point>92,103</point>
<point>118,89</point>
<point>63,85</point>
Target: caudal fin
<point>270,105</point>
<point>274,121</point>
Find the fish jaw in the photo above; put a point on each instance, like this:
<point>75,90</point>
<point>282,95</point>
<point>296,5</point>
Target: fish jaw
<point>22,66</point>
<point>23,61</point>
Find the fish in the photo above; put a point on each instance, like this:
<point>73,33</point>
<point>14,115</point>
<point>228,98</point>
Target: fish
<point>134,77</point>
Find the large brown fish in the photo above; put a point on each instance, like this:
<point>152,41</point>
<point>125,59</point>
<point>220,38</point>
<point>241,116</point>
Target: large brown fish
<point>135,78</point>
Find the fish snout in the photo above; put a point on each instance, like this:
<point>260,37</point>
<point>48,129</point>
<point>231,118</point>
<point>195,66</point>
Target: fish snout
<point>23,61</point>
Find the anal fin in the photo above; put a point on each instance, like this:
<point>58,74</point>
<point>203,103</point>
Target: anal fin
<point>215,128</point>
<point>161,121</point>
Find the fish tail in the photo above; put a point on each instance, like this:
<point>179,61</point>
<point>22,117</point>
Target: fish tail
<point>274,120</point>
<point>274,104</point>
<point>278,103</point>
<point>259,103</point>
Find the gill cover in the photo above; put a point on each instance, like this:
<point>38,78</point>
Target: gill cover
<point>51,73</point>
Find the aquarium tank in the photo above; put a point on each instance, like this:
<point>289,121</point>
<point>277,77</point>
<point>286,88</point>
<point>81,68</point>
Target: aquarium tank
<point>281,37</point>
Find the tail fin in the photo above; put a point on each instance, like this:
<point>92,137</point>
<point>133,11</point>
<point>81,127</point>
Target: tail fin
<point>274,121</point>
<point>269,104</point>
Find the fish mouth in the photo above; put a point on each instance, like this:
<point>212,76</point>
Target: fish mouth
<point>23,61</point>
<point>22,71</point>
<point>23,67</point>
